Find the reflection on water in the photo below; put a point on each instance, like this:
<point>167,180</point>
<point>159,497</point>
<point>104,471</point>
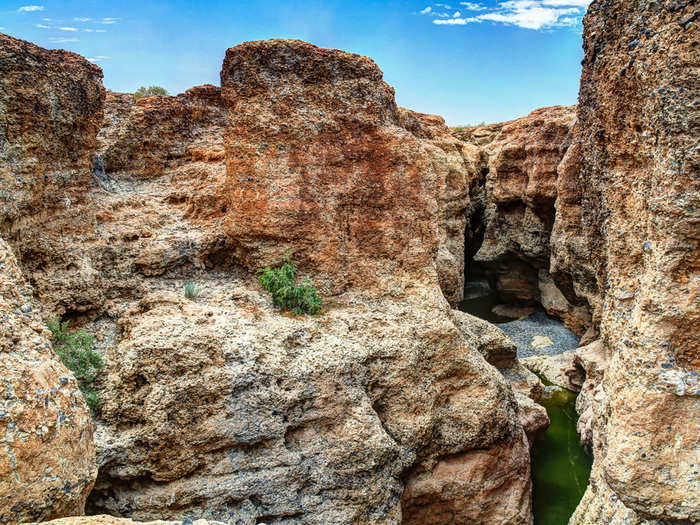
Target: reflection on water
<point>479,299</point>
<point>560,466</point>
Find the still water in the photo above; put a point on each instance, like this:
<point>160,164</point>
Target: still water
<point>560,466</point>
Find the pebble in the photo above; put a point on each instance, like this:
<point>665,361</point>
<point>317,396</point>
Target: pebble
<point>26,308</point>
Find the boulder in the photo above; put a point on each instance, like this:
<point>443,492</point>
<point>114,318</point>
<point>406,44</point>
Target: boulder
<point>47,457</point>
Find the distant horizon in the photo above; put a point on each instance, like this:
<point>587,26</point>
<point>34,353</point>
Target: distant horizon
<point>468,62</point>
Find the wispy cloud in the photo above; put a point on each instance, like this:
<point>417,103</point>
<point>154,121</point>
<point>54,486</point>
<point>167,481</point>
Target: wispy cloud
<point>62,40</point>
<point>98,58</point>
<point>95,30</point>
<point>81,19</point>
<point>471,6</point>
<point>42,26</point>
<point>425,11</point>
<point>29,8</point>
<point>110,20</point>
<point>65,28</point>
<point>529,14</point>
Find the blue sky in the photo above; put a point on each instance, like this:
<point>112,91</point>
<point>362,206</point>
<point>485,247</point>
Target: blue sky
<point>467,61</point>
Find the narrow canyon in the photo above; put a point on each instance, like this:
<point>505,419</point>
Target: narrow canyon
<point>408,399</point>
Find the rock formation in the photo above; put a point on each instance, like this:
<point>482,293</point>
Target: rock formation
<point>639,195</point>
<point>227,409</point>
<point>50,112</point>
<point>47,455</point>
<point>155,134</point>
<point>390,407</point>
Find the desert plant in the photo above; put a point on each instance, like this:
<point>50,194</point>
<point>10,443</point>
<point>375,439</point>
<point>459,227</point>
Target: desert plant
<point>75,348</point>
<point>150,91</point>
<point>192,290</point>
<point>279,283</point>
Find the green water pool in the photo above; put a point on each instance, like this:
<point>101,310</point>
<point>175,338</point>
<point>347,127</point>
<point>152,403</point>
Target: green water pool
<point>560,466</point>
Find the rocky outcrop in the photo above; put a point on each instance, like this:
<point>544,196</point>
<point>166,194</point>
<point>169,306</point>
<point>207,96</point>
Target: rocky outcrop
<point>146,137</point>
<point>224,407</point>
<point>319,162</point>
<point>313,419</point>
<point>639,193</point>
<point>47,455</point>
<point>50,112</point>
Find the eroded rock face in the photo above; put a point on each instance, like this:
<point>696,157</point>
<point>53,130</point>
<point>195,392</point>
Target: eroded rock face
<point>47,455</point>
<point>50,112</point>
<point>228,409</point>
<point>640,191</point>
<point>319,162</point>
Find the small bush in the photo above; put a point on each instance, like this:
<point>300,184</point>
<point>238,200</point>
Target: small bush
<point>192,290</point>
<point>279,283</point>
<point>150,91</point>
<point>76,352</point>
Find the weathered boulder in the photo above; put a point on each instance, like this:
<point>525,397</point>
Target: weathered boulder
<point>50,112</point>
<point>47,455</point>
<point>640,191</point>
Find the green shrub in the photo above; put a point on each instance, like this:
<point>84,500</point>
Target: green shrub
<point>76,352</point>
<point>279,283</point>
<point>150,91</point>
<point>192,290</point>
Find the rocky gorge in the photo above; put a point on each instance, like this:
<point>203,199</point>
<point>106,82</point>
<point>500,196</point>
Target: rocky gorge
<point>392,405</point>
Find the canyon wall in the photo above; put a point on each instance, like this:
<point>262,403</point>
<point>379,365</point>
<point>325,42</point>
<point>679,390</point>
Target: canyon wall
<point>50,112</point>
<point>639,192</point>
<point>512,210</point>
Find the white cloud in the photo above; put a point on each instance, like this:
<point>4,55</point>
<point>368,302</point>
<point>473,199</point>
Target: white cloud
<point>42,26</point>
<point>62,40</point>
<point>98,58</point>
<point>110,20</point>
<point>29,8</point>
<point>444,6</point>
<point>454,21</point>
<point>528,14</point>
<point>457,14</point>
<point>81,19</point>
<point>470,6</point>
<point>64,28</point>
<point>46,19</point>
<point>425,11</point>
